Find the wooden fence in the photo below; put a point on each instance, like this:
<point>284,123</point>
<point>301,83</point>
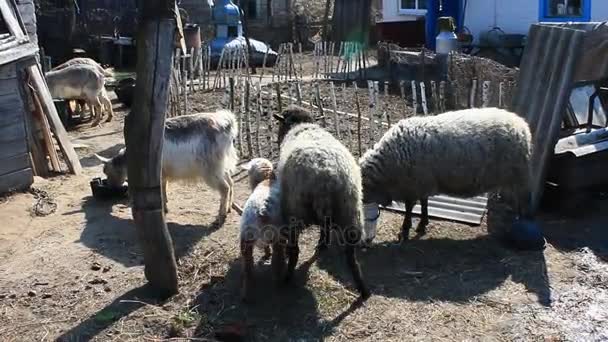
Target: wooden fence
<point>358,114</point>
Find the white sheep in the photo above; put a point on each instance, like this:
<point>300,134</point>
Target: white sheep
<point>461,153</point>
<point>261,217</point>
<point>197,146</point>
<point>320,184</point>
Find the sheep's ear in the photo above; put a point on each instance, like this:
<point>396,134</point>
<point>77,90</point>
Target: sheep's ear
<point>279,117</point>
<point>103,159</point>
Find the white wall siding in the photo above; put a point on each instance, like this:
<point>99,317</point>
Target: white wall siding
<point>512,16</point>
<point>390,12</point>
<point>599,10</point>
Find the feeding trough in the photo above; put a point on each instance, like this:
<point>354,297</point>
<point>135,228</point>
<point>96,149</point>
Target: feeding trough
<point>102,190</point>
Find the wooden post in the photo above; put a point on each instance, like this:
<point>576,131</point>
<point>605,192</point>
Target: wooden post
<point>485,94</point>
<point>442,97</point>
<point>372,108</point>
<point>248,119</point>
<point>387,113</point>
<point>258,118</point>
<point>264,63</point>
<point>334,104</point>
<point>320,104</point>
<point>349,132</point>
<point>501,93</point>
<point>279,104</point>
<point>425,109</point>
<point>435,97</point>
<point>144,135</point>
<point>358,105</point>
<point>414,100</point>
<point>473,94</point>
<point>299,93</point>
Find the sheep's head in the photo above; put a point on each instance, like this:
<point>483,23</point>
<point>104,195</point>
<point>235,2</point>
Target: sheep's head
<point>115,168</point>
<point>292,116</point>
<point>258,170</point>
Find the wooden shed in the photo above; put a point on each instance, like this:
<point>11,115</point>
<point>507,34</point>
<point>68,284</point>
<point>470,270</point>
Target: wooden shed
<point>30,129</point>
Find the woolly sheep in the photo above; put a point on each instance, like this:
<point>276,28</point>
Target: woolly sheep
<point>261,217</point>
<point>196,146</point>
<point>320,184</point>
<point>461,153</point>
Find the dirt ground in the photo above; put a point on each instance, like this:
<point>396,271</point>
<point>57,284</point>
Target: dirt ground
<point>76,274</point>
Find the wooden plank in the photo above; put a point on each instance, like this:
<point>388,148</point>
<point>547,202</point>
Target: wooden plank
<point>17,53</point>
<point>16,181</point>
<point>11,113</point>
<point>13,131</point>
<point>8,71</point>
<point>8,86</point>
<point>51,112</point>
<point>14,163</point>
<point>12,147</point>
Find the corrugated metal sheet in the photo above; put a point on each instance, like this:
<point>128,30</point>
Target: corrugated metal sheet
<point>593,63</point>
<point>545,81</point>
<point>467,210</point>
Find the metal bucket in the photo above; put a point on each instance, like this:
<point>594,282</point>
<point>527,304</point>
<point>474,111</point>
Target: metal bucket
<point>371,212</point>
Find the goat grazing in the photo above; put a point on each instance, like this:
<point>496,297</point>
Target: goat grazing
<point>461,153</point>
<point>320,184</point>
<point>261,217</point>
<point>197,146</point>
<point>81,82</point>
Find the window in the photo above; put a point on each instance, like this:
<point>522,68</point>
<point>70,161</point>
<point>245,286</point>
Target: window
<point>565,10</point>
<point>413,7</point>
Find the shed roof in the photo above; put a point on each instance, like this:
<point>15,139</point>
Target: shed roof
<point>14,44</point>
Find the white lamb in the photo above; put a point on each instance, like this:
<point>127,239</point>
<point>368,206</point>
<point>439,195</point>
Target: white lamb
<point>261,217</point>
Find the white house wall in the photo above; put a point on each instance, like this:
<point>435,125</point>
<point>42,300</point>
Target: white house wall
<point>599,10</point>
<point>390,12</point>
<point>514,16</point>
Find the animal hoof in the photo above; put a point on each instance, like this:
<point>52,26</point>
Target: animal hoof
<point>95,124</point>
<point>402,237</point>
<point>364,294</point>
<point>109,120</point>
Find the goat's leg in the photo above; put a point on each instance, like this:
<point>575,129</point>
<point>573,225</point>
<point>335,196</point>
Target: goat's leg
<point>293,253</point>
<point>247,275</point>
<point>96,105</point>
<point>230,198</point>
<point>407,221</point>
<point>105,100</point>
<point>224,189</point>
<point>424,216</point>
<point>351,237</point>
